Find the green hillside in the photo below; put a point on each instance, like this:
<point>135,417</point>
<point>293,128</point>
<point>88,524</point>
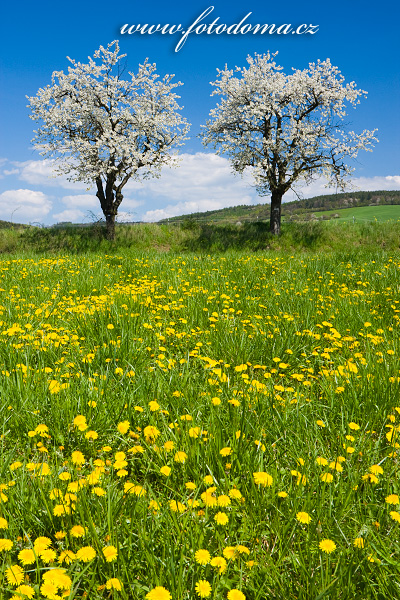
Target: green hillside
<point>320,206</point>
<point>365,213</point>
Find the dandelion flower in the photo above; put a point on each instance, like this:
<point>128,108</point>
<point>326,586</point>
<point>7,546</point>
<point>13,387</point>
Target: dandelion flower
<point>123,427</point>
<point>225,451</point>
<point>263,479</point>
<point>110,553</point>
<point>376,470</point>
<point>180,457</point>
<point>202,557</point>
<point>3,523</point>
<point>208,480</point>
<point>165,470</point>
<point>86,554</point>
<point>203,588</point>
<point>229,552</point>
<point>303,517</point>
<point>223,500</point>
<point>114,584</point>
<point>151,433</point>
<point>49,590</point>
<point>219,562</point>
<point>327,477</point>
<point>14,575</point>
<point>392,499</point>
<point>25,590</point>
<point>235,494</point>
<point>77,531</point>
<point>48,555</point>
<point>359,542</point>
<point>395,516</point>
<point>27,556</point>
<point>221,518</point>
<point>5,545</point>
<point>354,426</point>
<point>236,595</point>
<point>282,494</point>
<point>327,546</point>
<point>41,543</point>
<point>77,458</point>
<point>66,556</point>
<point>159,593</point>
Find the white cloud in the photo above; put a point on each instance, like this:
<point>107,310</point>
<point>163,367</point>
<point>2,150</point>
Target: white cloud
<point>69,216</point>
<point>41,172</point>
<point>201,182</point>
<point>24,206</point>
<point>81,201</point>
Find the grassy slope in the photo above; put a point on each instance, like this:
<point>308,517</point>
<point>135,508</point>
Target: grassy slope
<point>366,213</point>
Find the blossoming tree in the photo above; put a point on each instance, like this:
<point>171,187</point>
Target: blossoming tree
<point>105,130</point>
<point>285,128</point>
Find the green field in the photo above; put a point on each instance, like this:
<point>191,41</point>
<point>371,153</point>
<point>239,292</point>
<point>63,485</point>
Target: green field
<point>200,426</point>
<point>365,213</point>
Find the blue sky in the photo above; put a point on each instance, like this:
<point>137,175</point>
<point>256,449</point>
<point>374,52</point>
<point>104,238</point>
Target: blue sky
<point>360,37</point>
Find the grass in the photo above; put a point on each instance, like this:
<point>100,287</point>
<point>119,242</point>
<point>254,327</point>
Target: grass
<point>155,405</point>
<point>309,237</point>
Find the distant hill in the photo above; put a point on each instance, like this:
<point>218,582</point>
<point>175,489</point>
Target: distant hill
<point>9,225</point>
<point>292,210</point>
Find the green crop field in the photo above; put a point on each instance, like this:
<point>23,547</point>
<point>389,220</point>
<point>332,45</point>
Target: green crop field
<point>200,426</point>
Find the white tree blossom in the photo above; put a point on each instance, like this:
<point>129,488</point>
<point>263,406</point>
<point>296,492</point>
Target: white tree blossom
<point>105,130</point>
<point>285,128</point>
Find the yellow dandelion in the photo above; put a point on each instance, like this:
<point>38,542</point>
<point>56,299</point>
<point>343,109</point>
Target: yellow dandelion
<point>359,542</point>
<point>203,588</point>
<point>159,593</point>
<point>392,499</point>
<point>123,427</point>
<point>24,590</point>
<point>202,557</point>
<point>303,517</point>
<point>180,457</point>
<point>86,554</point>
<point>110,553</point>
<point>327,477</point>
<point>236,594</point>
<point>219,562</point>
<point>114,584</point>
<point>263,479</point>
<point>77,531</point>
<point>221,518</point>
<point>14,575</point>
<point>5,545</point>
<point>327,546</point>
<point>27,556</point>
<point>66,556</point>
<point>354,426</point>
<point>77,458</point>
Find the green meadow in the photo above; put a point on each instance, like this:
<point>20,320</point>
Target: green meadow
<point>184,424</point>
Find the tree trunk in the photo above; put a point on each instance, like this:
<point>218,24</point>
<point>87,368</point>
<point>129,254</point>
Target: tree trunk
<point>110,199</point>
<point>110,227</point>
<point>275,218</point>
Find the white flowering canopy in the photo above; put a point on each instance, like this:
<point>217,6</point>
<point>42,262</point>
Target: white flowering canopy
<point>285,127</point>
<point>104,129</point>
